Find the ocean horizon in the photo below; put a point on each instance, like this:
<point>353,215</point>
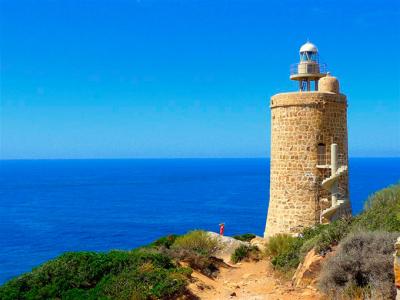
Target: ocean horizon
<point>51,206</point>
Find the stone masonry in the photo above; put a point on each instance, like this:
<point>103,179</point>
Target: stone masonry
<point>300,121</point>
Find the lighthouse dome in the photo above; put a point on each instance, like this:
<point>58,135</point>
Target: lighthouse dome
<point>308,47</point>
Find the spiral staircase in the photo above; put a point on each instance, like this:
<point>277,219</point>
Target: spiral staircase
<point>339,200</point>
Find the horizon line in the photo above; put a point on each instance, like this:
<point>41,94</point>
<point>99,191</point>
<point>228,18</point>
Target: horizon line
<point>164,158</point>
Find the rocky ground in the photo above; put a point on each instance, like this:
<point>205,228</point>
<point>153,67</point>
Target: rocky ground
<point>253,280</point>
<point>249,280</point>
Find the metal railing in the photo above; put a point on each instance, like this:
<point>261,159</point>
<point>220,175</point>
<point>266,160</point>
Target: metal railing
<point>308,68</point>
<point>324,159</point>
<point>341,193</point>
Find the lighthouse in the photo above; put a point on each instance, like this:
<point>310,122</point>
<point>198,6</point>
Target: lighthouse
<point>309,156</point>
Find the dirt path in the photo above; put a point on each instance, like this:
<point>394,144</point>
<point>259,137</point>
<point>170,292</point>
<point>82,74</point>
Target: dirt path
<point>248,280</point>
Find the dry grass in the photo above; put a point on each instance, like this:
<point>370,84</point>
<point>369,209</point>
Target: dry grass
<point>197,241</point>
<point>362,267</point>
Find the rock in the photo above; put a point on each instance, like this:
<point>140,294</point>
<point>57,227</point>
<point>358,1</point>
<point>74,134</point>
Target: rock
<point>308,271</point>
<point>228,245</point>
<point>233,294</point>
<point>259,242</point>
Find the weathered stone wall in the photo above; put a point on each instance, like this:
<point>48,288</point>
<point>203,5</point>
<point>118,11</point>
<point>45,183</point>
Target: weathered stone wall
<point>299,122</point>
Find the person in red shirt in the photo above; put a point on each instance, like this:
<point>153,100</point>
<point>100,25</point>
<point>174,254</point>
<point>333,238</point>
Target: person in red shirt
<point>221,228</point>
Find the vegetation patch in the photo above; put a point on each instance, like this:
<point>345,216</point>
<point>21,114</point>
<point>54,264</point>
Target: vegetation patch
<point>287,251</point>
<point>196,241</point>
<point>323,237</point>
<point>90,275</point>
<point>381,211</point>
<point>247,237</point>
<point>165,242</point>
<point>283,250</point>
<point>245,252</point>
<point>362,268</point>
<point>279,243</point>
<point>197,248</point>
<point>151,272</point>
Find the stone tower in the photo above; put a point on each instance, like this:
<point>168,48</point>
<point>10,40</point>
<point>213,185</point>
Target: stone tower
<point>308,178</point>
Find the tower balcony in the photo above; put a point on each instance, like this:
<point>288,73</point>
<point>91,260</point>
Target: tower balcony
<point>312,70</point>
<point>324,160</point>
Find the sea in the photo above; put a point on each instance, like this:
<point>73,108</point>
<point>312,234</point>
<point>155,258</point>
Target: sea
<point>48,207</point>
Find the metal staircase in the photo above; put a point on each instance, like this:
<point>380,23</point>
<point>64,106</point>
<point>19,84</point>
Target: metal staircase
<point>339,199</point>
<point>328,183</point>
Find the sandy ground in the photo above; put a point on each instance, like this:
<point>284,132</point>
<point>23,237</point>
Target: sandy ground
<point>248,280</point>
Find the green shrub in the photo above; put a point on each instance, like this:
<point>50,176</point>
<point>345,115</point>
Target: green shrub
<point>197,241</point>
<point>362,266</point>
<point>331,235</point>
<point>240,253</point>
<point>154,282</point>
<point>323,237</point>
<point>311,232</point>
<point>381,212</point>
<point>165,241</point>
<point>244,252</point>
<point>196,248</point>
<point>286,251</point>
<point>207,265</point>
<point>89,275</point>
<point>279,244</point>
<point>283,249</point>
<point>247,237</point>
<point>289,257</point>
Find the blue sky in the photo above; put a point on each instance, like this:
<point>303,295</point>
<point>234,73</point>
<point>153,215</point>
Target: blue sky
<point>119,79</point>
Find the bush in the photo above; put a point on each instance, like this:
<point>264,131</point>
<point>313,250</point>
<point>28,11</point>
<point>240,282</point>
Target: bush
<point>288,259</point>
<point>279,244</point>
<point>323,237</point>
<point>151,283</point>
<point>287,251</point>
<point>381,212</point>
<point>362,267</point>
<point>165,241</point>
<point>196,249</point>
<point>284,251</point>
<point>247,237</point>
<point>90,275</point>
<point>244,252</point>
<point>197,241</point>
<point>331,235</point>
<point>207,265</point>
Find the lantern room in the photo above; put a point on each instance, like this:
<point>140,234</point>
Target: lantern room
<point>308,53</point>
<point>308,70</point>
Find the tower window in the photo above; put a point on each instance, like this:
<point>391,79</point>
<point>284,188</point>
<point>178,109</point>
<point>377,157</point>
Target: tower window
<point>321,154</point>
